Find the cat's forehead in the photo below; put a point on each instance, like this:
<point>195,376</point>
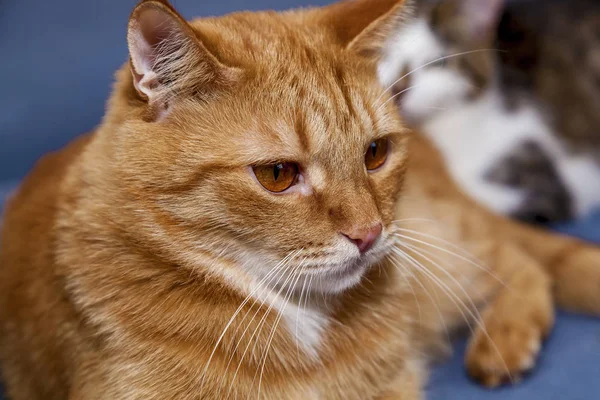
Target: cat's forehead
<point>249,39</point>
<point>304,96</point>
<point>320,115</point>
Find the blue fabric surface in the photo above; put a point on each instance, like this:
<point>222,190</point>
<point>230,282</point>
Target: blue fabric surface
<point>586,229</point>
<point>58,59</point>
<point>569,369</point>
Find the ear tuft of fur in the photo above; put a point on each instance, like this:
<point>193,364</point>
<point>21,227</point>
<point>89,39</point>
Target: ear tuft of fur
<point>167,59</point>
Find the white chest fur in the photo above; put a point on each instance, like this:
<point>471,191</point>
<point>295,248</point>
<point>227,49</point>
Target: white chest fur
<point>304,321</point>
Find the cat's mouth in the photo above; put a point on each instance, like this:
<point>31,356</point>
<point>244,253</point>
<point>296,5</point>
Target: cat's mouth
<point>337,277</point>
<point>343,268</point>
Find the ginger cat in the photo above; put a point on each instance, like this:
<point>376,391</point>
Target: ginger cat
<point>252,219</point>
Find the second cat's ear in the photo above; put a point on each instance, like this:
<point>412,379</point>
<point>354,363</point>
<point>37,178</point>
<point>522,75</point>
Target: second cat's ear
<point>467,22</point>
<point>364,26</point>
<point>167,58</point>
<point>481,16</point>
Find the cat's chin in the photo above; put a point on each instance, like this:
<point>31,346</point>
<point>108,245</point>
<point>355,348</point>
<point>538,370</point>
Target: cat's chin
<point>337,280</point>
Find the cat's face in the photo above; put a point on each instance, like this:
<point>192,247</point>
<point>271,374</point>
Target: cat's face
<point>445,56</point>
<point>275,151</point>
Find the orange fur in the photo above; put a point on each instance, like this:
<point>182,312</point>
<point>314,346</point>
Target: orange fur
<point>126,254</point>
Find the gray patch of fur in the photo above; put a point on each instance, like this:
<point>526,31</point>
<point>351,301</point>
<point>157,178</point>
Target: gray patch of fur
<point>530,169</point>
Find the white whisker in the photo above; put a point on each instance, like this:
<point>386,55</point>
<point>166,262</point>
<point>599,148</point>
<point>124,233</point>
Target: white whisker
<point>282,266</point>
<point>298,314</point>
<point>231,321</point>
<point>261,324</point>
<point>439,258</point>
<point>272,335</point>
<point>447,274</point>
<point>394,96</point>
<point>460,306</point>
<point>463,258</point>
<point>464,53</point>
<point>427,293</point>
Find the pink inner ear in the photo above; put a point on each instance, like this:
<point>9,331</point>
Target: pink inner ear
<point>151,28</point>
<point>167,59</point>
<point>155,26</point>
<point>482,15</point>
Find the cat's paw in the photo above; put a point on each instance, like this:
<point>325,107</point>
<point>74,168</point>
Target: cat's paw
<point>505,353</point>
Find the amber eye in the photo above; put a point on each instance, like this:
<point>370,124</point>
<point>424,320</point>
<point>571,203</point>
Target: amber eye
<point>376,154</point>
<point>276,177</point>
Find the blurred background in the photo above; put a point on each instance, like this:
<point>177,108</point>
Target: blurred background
<point>57,60</point>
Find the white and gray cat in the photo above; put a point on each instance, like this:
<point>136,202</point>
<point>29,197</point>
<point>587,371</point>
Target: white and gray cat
<point>509,91</point>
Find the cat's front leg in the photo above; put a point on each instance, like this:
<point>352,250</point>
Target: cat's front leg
<point>507,342</point>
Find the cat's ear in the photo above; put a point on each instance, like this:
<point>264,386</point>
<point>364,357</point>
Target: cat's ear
<point>467,21</point>
<point>364,26</point>
<point>166,57</point>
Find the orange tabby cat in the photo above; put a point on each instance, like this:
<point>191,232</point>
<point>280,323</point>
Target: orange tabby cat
<point>252,219</point>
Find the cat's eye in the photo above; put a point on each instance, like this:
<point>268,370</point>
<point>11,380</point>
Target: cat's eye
<point>276,177</point>
<point>376,154</point>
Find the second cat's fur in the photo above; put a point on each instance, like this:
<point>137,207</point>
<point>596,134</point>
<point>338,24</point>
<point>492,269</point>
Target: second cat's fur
<point>509,91</point>
<point>167,255</point>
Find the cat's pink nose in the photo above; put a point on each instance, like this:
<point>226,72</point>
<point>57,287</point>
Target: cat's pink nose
<point>364,237</point>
